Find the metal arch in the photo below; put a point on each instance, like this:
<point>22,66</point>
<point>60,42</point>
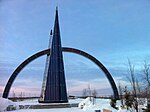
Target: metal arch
<point>66,49</point>
<point>100,65</point>
<point>19,68</point>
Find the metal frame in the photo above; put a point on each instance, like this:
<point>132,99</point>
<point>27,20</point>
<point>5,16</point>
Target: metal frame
<point>65,49</point>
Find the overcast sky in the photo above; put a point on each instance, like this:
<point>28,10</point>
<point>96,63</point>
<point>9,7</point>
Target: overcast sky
<point>110,30</point>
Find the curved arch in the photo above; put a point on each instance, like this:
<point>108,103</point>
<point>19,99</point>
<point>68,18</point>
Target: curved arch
<point>65,49</point>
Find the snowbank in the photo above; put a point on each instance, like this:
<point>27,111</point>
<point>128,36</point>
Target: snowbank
<point>51,110</point>
<point>123,110</point>
<point>4,103</point>
<point>100,104</point>
<point>85,105</point>
<point>88,105</point>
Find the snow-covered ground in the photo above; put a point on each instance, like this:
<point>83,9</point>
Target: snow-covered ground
<point>51,110</point>
<point>4,103</point>
<point>35,101</point>
<point>85,105</point>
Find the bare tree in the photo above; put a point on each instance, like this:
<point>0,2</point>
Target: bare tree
<point>94,93</point>
<point>90,93</point>
<point>133,82</point>
<point>138,88</point>
<point>128,98</point>
<point>21,94</point>
<point>141,101</point>
<point>14,95</point>
<point>121,93</point>
<point>84,93</point>
<point>146,71</point>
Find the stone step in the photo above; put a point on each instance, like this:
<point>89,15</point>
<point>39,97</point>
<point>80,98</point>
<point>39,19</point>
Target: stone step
<point>48,106</point>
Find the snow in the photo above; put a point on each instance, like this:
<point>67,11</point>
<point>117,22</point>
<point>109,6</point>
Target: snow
<point>99,104</point>
<point>28,102</point>
<point>85,105</point>
<point>35,101</point>
<point>123,110</point>
<point>4,103</point>
<point>51,110</point>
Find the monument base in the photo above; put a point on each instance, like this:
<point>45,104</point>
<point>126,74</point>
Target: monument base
<point>49,106</point>
<point>61,101</point>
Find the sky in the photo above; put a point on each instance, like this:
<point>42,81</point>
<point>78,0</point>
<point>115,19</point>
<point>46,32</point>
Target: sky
<point>112,31</point>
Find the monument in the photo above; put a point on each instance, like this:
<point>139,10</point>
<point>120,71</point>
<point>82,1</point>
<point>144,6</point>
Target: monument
<point>54,85</point>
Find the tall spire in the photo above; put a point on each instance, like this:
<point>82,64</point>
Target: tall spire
<point>56,26</point>
<point>55,89</point>
<point>56,8</point>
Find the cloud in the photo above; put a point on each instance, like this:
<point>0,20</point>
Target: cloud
<point>74,86</point>
<point>26,86</point>
<point>122,80</point>
<point>77,86</point>
<point>102,85</point>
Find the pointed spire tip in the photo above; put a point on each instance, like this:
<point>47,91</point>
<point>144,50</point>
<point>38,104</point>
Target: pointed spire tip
<point>51,33</point>
<point>56,8</point>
